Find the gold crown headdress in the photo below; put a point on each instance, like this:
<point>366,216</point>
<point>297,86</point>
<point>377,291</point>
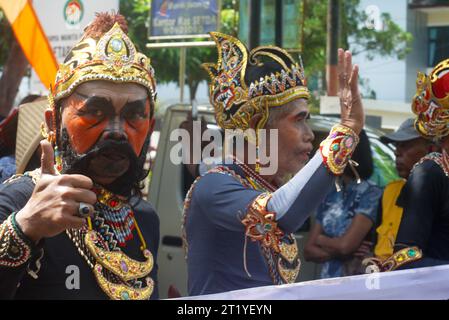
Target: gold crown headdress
<point>234,101</point>
<point>112,58</point>
<point>431,102</point>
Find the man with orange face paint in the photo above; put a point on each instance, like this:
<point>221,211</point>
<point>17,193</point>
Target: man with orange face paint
<point>78,228</point>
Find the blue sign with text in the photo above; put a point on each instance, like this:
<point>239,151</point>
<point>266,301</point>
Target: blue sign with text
<point>183,17</point>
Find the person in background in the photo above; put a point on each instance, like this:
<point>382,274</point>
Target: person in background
<point>8,133</point>
<point>423,236</point>
<point>410,148</point>
<point>340,237</point>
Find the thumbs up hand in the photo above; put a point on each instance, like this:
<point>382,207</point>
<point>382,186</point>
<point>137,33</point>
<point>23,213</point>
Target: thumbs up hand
<point>56,201</point>
<point>47,158</point>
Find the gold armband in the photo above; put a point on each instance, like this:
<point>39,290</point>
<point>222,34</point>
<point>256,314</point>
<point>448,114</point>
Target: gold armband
<point>398,259</point>
<point>338,147</point>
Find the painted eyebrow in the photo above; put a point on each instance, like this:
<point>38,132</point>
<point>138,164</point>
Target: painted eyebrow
<point>303,114</point>
<point>136,103</point>
<point>95,99</point>
<point>89,97</point>
<point>106,102</point>
<point>128,103</point>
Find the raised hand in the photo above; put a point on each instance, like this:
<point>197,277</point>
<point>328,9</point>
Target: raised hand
<point>54,205</point>
<point>351,108</point>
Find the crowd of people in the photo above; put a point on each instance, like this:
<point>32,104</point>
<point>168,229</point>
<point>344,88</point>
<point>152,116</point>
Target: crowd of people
<point>73,197</point>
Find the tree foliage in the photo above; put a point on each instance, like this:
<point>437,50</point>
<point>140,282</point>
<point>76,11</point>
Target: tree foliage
<point>355,35</point>
<point>167,60</point>
<point>5,39</point>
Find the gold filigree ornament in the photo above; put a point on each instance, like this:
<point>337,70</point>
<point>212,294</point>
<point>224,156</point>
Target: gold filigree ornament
<point>289,251</point>
<point>117,262</point>
<point>338,148</point>
<point>289,274</point>
<point>234,101</point>
<point>109,199</point>
<point>112,58</point>
<point>120,291</point>
<point>290,265</point>
<point>431,102</point>
<point>398,259</point>
<point>260,225</point>
<point>121,266</point>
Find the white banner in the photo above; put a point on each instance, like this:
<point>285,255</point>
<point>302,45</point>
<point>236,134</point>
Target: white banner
<point>430,283</point>
<point>63,22</point>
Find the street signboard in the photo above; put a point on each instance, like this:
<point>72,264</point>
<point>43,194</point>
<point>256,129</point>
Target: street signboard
<point>180,18</point>
<point>63,22</point>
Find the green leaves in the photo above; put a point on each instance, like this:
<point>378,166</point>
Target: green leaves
<point>391,40</point>
<point>5,39</point>
<point>354,35</point>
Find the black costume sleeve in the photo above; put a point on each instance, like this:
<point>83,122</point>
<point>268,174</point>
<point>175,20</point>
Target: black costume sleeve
<point>154,245</point>
<point>16,250</point>
<point>152,238</point>
<point>421,199</point>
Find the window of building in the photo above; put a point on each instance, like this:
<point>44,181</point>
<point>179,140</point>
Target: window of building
<point>438,45</point>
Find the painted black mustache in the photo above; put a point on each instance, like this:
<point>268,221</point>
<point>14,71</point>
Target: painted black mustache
<point>74,163</point>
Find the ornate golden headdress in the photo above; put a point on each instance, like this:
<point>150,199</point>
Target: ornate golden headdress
<point>431,102</point>
<point>234,101</point>
<point>112,58</point>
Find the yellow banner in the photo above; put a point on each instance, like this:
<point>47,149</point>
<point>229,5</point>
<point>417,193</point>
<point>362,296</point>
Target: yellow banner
<point>32,39</point>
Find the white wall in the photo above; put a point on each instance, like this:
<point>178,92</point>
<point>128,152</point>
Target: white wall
<point>386,75</point>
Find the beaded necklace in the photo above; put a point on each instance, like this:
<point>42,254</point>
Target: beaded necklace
<point>441,159</point>
<point>116,213</point>
<point>116,273</point>
<point>253,177</point>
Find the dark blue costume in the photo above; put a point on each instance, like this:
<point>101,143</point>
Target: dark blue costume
<point>237,226</point>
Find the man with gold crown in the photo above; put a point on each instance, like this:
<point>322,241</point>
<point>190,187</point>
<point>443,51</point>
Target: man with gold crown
<point>78,228</point>
<point>239,220</point>
<point>423,235</point>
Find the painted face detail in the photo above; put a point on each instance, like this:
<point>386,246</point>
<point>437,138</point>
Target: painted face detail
<point>102,111</point>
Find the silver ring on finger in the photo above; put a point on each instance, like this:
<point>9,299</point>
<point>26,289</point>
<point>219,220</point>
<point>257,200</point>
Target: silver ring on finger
<point>85,210</point>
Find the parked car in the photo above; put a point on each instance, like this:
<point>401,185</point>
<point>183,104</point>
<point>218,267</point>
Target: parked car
<point>167,191</point>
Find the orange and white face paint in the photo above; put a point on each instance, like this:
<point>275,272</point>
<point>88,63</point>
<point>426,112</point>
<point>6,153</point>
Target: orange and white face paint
<point>104,110</point>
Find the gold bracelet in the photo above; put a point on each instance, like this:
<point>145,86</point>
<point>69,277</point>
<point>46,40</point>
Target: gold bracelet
<point>398,259</point>
<point>338,147</point>
<point>14,251</point>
